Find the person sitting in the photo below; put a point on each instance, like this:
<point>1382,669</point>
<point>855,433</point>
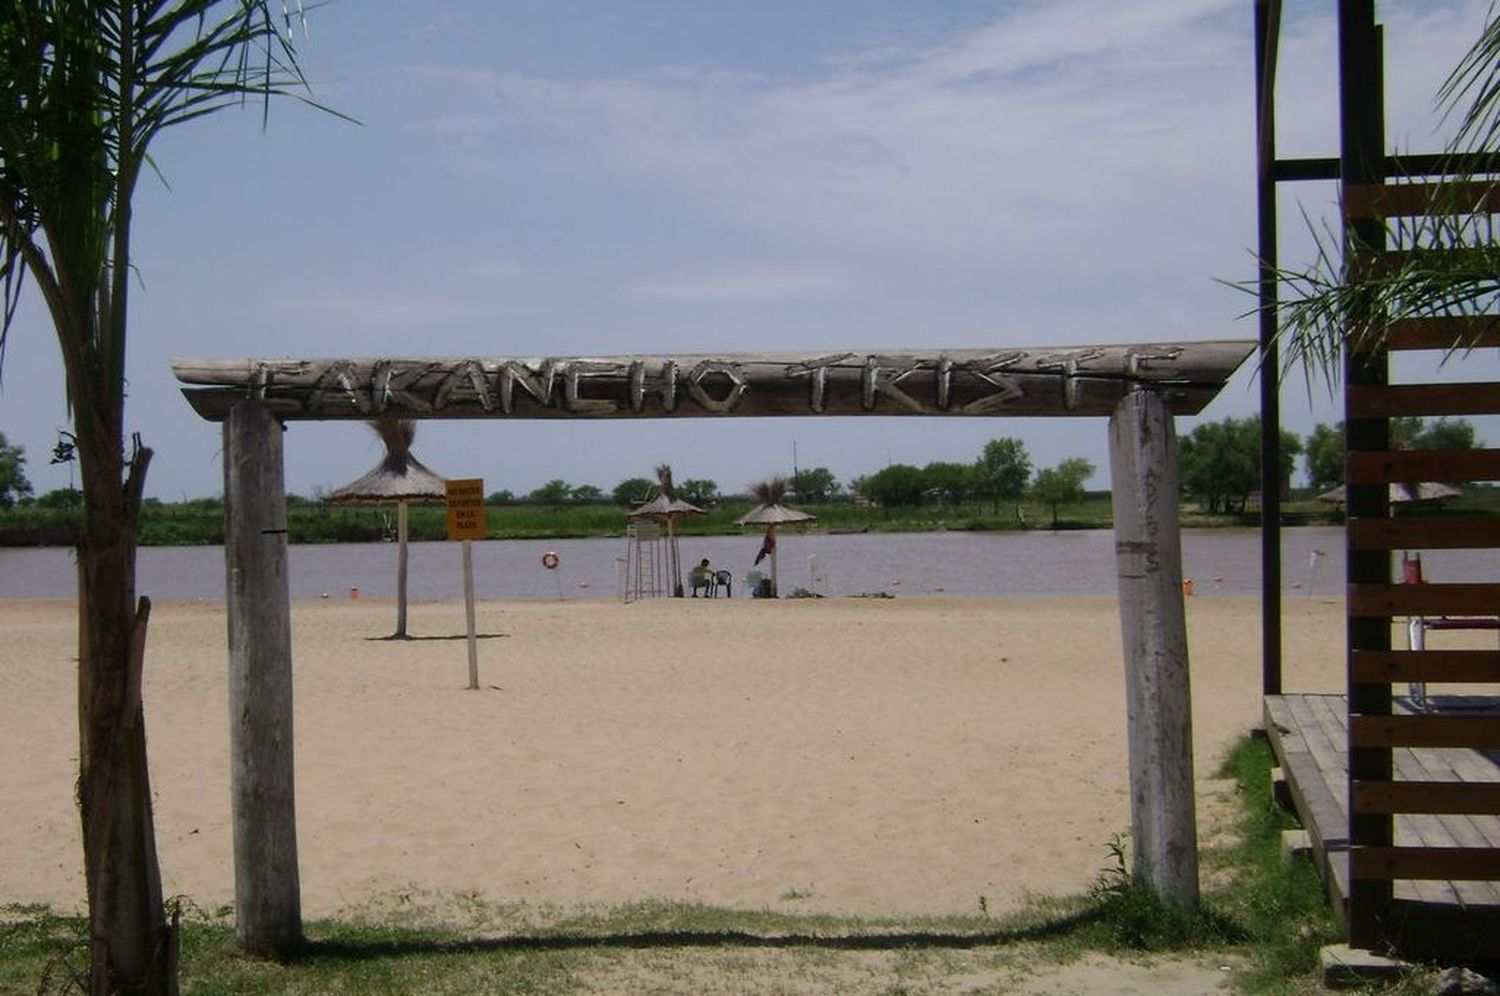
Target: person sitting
<point>701,578</point>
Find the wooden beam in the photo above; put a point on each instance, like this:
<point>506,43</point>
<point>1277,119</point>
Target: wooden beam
<point>1382,600</point>
<point>1390,401</point>
<point>1085,380</point>
<point>1405,466</point>
<point>1408,200</point>
<point>1461,532</point>
<point>1472,798</point>
<point>1393,666</point>
<point>268,905</point>
<point>1455,333</point>
<point>1457,864</point>
<point>1148,552</point>
<point>1427,730</point>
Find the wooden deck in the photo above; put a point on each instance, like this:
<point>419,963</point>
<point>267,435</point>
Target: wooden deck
<point>1309,734</point>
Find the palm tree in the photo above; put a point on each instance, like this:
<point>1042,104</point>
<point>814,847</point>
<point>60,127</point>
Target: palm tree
<point>85,86</point>
<point>1329,308</point>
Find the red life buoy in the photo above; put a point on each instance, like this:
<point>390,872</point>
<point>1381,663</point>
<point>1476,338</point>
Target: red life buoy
<point>549,560</point>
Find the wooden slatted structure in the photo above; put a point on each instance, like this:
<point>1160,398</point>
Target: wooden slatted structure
<point>1444,799</point>
<point>1401,804</point>
<point>1411,822</point>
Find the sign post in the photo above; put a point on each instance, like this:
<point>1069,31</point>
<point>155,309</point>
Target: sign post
<point>466,522</point>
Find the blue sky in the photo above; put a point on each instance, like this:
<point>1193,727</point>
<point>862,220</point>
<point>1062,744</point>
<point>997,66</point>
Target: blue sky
<point>556,178</point>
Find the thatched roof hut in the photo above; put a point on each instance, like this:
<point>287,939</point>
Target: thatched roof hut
<point>771,513</point>
<point>668,508</point>
<point>399,479</point>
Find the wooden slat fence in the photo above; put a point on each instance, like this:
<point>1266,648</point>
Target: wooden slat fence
<point>1380,789</point>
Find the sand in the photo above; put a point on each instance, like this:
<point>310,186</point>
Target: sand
<point>857,756</point>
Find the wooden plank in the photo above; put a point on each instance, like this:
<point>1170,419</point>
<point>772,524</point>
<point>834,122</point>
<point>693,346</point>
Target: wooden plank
<point>1392,400</point>
<point>1426,665</point>
<point>268,906</point>
<point>1427,797</point>
<point>1083,380</point>
<point>1478,599</point>
<point>1318,794</point>
<point>1452,863</point>
<point>1403,466</point>
<point>1409,200</point>
<point>1455,333</point>
<point>1464,532</point>
<point>1153,622</point>
<point>1428,730</point>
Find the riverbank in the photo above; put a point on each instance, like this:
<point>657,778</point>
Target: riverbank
<point>200,522</point>
<point>852,756</point>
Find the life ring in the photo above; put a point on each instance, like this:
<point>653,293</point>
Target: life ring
<point>549,560</point>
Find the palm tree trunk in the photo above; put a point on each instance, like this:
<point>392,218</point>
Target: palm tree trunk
<point>132,944</point>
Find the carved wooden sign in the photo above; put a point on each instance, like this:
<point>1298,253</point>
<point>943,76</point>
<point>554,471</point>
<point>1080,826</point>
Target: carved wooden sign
<point>1087,380</point>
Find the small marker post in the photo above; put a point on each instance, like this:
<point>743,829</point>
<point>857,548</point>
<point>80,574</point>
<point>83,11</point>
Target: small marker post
<point>466,522</point>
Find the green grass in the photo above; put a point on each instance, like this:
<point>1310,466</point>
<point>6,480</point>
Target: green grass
<point>1262,914</point>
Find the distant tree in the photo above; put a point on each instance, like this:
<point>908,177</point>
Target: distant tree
<point>61,498</point>
<point>1003,470</point>
<point>586,494</point>
<point>554,492</point>
<point>1324,457</point>
<point>949,482</point>
<point>13,483</point>
<point>500,498</point>
<point>1061,485</point>
<point>698,491</point>
<point>815,485</point>
<point>1444,434</point>
<point>632,491</point>
<point>898,484</point>
<point>1220,461</point>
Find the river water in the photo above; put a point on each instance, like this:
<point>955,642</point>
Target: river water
<point>1019,564</point>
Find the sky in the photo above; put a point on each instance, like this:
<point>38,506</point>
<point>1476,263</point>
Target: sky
<point>568,178</point>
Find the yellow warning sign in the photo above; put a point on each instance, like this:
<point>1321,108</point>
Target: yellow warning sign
<point>466,509</point>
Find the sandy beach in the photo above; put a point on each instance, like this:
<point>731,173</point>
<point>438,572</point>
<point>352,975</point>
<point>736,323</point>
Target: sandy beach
<point>865,756</point>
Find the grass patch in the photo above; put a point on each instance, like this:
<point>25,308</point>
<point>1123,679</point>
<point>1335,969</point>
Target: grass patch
<point>1268,917</point>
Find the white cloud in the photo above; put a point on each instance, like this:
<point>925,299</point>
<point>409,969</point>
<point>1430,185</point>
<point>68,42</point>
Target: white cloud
<point>757,281</point>
<point>493,269</point>
<point>387,310</point>
<point>985,150</point>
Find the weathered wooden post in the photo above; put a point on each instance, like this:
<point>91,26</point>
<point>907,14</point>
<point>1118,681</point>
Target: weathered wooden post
<point>268,903</point>
<point>1148,551</point>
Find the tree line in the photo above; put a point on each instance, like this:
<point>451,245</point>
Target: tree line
<point>1219,464</point>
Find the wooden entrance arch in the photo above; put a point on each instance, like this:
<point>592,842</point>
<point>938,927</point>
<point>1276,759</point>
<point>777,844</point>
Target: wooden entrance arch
<point>1139,387</point>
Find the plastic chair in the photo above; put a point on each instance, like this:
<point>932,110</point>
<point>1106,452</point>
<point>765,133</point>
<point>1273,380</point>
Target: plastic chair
<point>722,579</point>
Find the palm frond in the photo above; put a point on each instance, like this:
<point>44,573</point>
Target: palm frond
<point>664,478</point>
<point>769,491</point>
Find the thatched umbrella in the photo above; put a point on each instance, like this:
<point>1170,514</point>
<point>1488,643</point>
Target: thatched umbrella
<point>1425,491</point>
<point>400,478</point>
<point>771,513</point>
<point>667,507</point>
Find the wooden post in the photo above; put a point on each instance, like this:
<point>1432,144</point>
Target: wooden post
<point>268,905</point>
<point>401,558</point>
<point>1148,546</point>
<point>469,614</point>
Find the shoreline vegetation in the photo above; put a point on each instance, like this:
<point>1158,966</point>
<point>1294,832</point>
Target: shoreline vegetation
<point>200,522</point>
